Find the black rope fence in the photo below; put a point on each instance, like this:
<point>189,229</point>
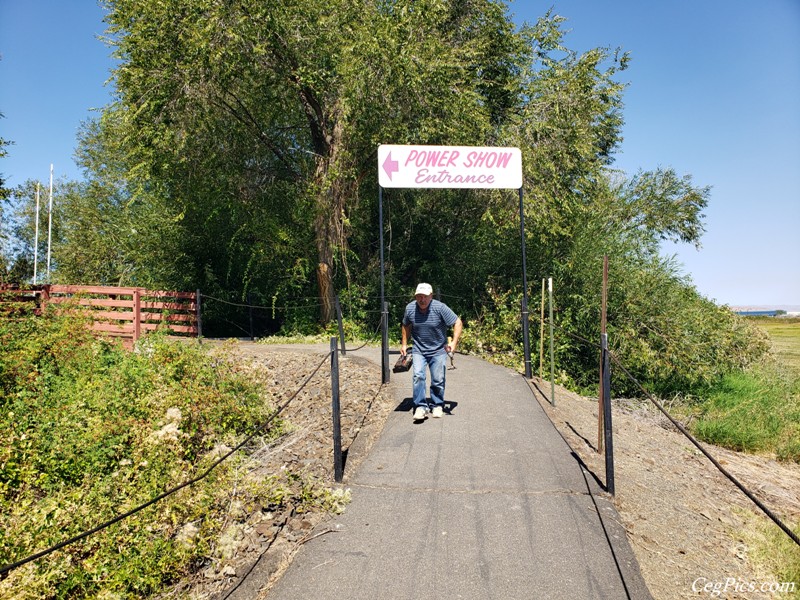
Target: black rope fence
<point>705,452</point>
<point>297,307</point>
<point>263,427</point>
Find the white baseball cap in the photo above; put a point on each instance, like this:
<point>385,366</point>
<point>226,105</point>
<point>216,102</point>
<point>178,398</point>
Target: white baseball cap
<point>425,289</point>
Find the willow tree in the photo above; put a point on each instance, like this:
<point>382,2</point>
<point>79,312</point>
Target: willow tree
<point>227,101</point>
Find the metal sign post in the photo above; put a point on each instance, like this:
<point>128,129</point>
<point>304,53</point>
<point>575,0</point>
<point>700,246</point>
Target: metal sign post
<point>384,321</point>
<point>453,167</point>
<point>552,355</point>
<point>525,320</point>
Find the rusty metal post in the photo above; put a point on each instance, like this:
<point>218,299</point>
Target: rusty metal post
<point>198,313</point>
<point>604,300</point>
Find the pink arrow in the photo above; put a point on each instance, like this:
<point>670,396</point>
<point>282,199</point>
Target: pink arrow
<point>390,166</point>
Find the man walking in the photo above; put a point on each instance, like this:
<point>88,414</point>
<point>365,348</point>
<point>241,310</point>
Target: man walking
<point>427,321</point>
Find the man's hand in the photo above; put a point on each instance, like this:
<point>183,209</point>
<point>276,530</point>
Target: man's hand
<point>403,350</point>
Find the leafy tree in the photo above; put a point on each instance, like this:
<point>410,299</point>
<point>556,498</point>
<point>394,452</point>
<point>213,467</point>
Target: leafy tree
<point>237,97</point>
<point>4,191</point>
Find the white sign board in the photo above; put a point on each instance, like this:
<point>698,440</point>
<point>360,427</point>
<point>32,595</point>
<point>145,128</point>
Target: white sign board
<point>449,167</point>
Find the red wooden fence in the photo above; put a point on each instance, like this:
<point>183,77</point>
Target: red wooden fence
<point>125,312</point>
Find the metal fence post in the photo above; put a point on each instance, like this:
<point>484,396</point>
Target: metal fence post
<point>541,336</point>
<point>339,321</point>
<point>385,342</point>
<point>603,311</point>
<point>337,423</point>
<point>608,432</point>
<point>137,314</point>
<point>250,314</point>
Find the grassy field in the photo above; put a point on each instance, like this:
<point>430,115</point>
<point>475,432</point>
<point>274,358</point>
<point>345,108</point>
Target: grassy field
<point>785,336</point>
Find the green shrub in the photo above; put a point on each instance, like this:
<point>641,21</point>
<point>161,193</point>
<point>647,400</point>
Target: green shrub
<point>89,431</point>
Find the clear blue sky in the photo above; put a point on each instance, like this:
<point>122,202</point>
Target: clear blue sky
<point>714,91</point>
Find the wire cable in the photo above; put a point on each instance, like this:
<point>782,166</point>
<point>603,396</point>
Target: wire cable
<point>317,305</point>
<point>374,336</point>
<point>714,461</point>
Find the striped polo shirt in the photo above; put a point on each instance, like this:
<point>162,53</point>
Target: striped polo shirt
<point>429,329</point>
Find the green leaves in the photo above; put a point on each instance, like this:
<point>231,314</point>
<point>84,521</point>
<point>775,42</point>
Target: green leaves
<point>88,431</point>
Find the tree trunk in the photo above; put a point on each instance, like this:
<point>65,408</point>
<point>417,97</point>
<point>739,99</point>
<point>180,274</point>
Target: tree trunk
<point>326,292</point>
<point>329,226</point>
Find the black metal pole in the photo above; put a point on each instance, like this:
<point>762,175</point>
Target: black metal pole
<point>385,342</point>
<point>384,319</point>
<point>339,320</point>
<point>552,356</point>
<point>338,470</point>
<point>525,325</point>
<point>608,432</point>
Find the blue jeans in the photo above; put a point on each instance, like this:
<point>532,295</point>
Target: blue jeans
<point>437,364</point>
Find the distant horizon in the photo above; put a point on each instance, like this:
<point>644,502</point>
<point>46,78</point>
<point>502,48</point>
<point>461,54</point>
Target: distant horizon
<point>757,307</point>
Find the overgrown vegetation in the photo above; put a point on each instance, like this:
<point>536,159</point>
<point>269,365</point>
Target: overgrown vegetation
<point>89,431</point>
<point>757,409</point>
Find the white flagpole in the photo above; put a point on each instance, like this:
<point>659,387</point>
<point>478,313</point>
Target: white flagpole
<point>36,237</point>
<point>50,223</point>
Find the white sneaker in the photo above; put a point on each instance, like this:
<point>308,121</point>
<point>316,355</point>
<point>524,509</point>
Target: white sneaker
<point>420,413</point>
<point>437,412</point>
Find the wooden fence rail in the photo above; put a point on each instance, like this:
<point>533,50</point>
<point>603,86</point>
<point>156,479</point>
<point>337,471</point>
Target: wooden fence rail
<point>124,312</point>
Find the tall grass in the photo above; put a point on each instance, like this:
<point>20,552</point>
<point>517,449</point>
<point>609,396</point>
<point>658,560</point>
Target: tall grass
<point>784,333</point>
<point>758,410</point>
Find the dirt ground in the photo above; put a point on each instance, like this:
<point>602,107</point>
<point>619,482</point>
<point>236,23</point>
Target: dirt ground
<point>688,525</point>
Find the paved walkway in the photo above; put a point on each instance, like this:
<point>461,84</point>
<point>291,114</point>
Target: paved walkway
<point>487,502</point>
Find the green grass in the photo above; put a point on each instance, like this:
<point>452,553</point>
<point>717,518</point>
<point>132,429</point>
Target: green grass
<point>784,333</point>
<point>758,410</point>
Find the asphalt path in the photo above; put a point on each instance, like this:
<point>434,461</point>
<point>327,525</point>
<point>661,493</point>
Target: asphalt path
<point>488,502</point>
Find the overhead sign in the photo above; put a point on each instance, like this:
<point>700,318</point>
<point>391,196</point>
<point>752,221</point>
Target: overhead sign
<point>449,167</point>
